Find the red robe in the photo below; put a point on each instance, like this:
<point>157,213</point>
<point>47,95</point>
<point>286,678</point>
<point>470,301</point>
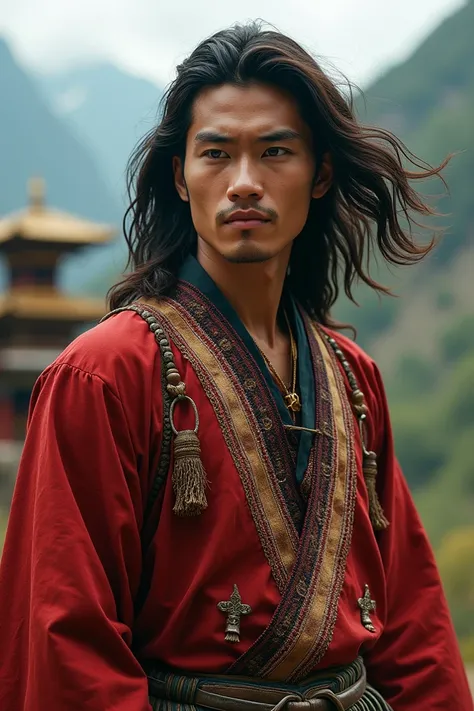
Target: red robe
<point>72,560</point>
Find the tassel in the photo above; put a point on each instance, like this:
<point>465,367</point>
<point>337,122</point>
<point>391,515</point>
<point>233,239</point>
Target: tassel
<point>377,516</point>
<point>189,478</point>
<point>369,464</point>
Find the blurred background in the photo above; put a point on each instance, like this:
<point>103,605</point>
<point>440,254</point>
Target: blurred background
<point>80,83</point>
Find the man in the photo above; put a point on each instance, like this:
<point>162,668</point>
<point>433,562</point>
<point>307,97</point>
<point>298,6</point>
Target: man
<point>209,512</point>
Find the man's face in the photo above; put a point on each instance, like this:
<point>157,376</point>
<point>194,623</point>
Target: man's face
<point>249,171</point>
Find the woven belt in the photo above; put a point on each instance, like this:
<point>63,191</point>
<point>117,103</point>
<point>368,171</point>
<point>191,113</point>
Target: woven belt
<point>225,695</point>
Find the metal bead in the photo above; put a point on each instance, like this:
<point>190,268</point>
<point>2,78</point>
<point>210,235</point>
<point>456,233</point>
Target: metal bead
<point>145,314</point>
<point>168,356</point>
<point>173,377</point>
<point>170,366</point>
<point>357,397</point>
<point>178,390</point>
<point>154,326</point>
<point>164,342</point>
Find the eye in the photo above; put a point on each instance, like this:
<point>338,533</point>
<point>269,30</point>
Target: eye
<point>276,152</point>
<point>214,153</point>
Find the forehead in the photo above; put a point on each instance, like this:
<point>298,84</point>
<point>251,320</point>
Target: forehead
<point>251,108</point>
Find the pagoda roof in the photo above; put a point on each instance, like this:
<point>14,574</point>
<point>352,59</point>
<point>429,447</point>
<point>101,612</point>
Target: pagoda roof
<point>49,304</point>
<point>39,223</point>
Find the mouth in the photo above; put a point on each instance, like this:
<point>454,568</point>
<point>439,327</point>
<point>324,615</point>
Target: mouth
<point>247,219</point>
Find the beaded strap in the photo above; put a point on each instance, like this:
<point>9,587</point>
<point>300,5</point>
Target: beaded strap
<point>377,516</point>
<point>189,478</point>
<point>167,367</point>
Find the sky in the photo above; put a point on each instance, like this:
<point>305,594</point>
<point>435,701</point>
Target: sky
<point>361,38</point>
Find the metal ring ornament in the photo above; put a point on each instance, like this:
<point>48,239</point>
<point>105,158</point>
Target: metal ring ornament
<point>193,405</point>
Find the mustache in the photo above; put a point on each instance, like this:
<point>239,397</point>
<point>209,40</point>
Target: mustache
<point>224,215</point>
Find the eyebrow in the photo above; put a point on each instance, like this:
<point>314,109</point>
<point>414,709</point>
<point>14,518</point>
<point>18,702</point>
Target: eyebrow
<point>283,134</point>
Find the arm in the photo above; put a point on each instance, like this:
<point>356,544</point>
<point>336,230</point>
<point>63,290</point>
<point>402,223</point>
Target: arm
<point>416,664</point>
<point>72,558</point>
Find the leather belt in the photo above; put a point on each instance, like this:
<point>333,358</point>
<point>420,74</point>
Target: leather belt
<point>239,697</point>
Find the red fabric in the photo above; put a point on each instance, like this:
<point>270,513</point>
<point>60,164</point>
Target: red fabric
<point>72,560</point>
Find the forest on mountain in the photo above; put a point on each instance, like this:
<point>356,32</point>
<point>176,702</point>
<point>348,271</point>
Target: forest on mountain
<point>423,339</point>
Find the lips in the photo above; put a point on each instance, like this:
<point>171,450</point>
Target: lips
<point>251,216</point>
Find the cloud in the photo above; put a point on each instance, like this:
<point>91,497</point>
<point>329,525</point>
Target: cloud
<point>149,37</point>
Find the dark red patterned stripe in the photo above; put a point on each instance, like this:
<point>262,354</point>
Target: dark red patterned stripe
<point>280,636</point>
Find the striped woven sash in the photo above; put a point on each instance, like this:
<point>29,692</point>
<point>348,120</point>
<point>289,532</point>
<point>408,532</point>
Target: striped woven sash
<point>341,689</point>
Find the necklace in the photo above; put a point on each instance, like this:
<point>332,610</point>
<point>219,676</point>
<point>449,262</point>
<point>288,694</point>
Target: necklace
<point>290,396</point>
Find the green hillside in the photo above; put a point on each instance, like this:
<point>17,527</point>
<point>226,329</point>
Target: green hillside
<point>429,101</point>
<point>424,341</point>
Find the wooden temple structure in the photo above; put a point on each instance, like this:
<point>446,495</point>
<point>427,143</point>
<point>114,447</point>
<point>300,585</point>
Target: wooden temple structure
<point>37,319</point>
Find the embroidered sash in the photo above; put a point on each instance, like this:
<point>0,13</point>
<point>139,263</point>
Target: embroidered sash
<point>308,560</point>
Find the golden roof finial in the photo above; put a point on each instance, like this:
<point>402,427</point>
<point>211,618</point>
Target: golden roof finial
<point>36,192</point>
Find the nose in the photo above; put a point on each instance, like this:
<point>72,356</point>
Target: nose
<point>244,183</point>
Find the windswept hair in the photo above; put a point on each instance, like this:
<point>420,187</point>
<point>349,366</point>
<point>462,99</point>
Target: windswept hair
<point>370,207</point>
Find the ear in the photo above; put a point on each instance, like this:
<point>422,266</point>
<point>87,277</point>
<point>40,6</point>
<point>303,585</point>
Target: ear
<point>324,178</point>
<point>179,181</point>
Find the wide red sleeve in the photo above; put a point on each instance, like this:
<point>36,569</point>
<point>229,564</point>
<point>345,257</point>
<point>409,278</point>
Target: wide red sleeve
<point>72,557</point>
<point>416,664</point>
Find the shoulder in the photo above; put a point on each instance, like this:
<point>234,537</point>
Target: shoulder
<point>119,351</point>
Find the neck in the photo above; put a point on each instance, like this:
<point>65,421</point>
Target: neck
<point>253,289</point>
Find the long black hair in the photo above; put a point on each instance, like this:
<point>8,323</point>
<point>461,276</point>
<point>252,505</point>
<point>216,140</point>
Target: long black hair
<point>370,205</point>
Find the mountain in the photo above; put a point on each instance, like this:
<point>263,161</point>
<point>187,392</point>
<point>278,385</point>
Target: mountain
<point>424,341</point>
<point>110,110</point>
<point>34,141</point>
<point>428,101</point>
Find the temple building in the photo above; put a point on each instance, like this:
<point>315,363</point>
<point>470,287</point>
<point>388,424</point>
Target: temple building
<point>37,319</point>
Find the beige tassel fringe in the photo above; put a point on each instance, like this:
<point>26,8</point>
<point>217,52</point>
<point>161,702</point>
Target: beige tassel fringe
<point>189,478</point>
<point>377,516</point>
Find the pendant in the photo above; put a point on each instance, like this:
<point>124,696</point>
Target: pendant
<point>366,606</point>
<point>293,402</point>
<point>234,608</point>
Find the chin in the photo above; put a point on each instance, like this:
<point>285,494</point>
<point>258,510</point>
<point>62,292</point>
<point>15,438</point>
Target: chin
<point>248,254</point>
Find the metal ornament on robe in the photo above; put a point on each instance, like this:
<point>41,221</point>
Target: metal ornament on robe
<point>366,606</point>
<point>235,609</point>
